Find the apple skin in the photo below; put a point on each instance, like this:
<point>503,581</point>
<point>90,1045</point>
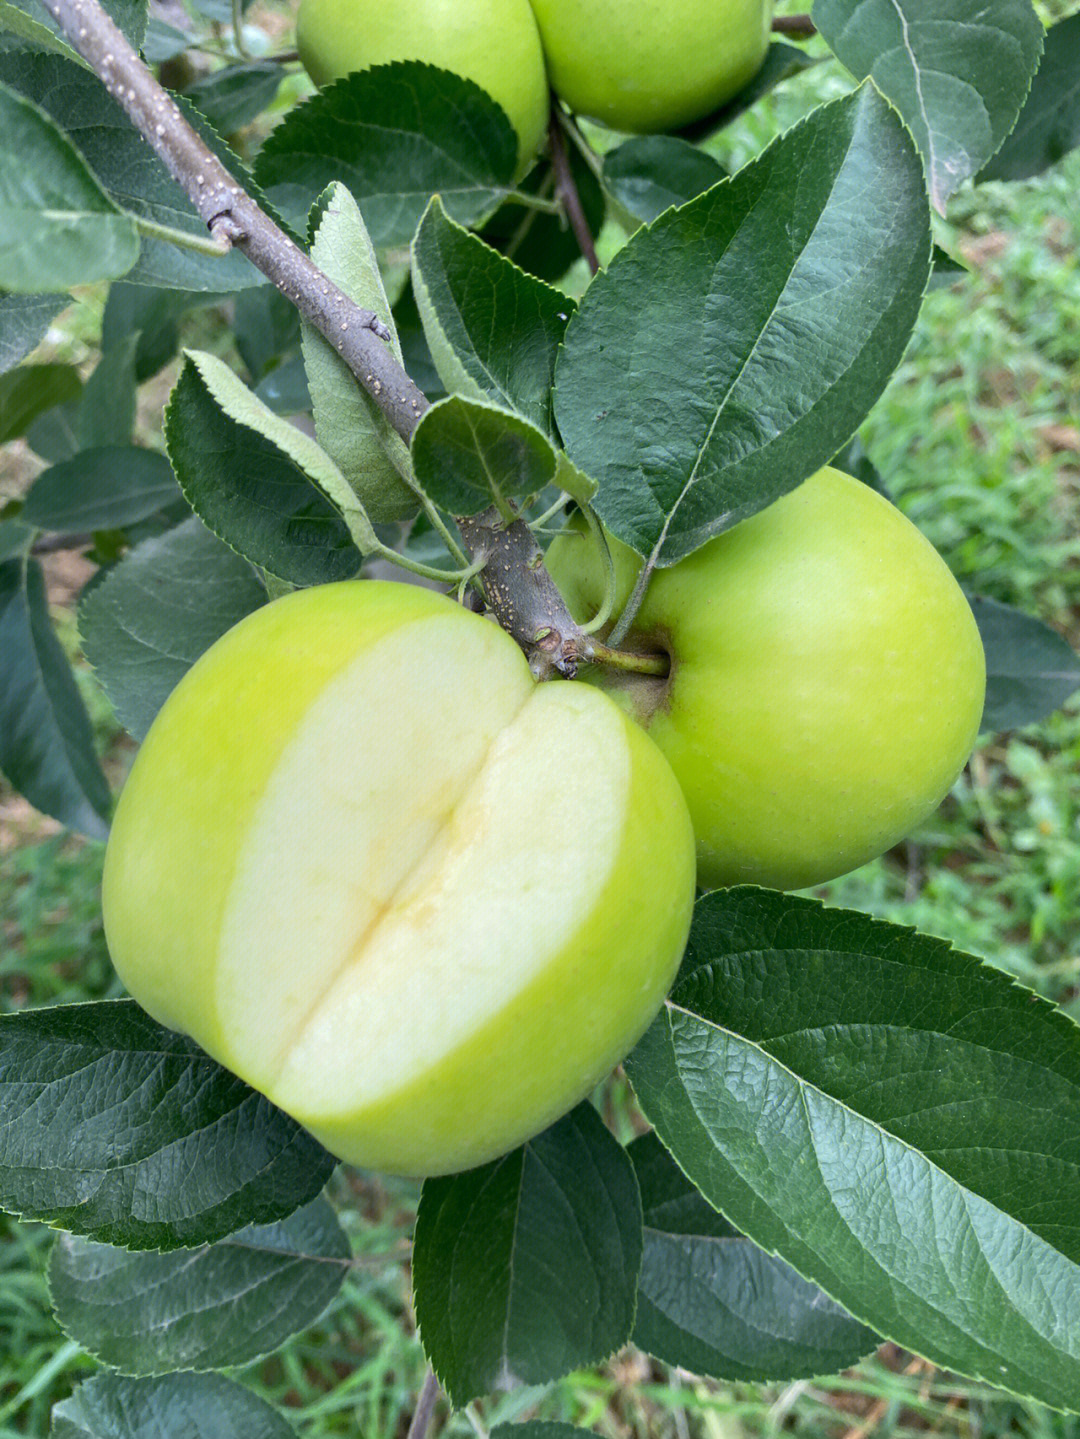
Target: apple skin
<point>421,902</point>
<point>827,680</point>
<point>646,65</point>
<point>496,44</point>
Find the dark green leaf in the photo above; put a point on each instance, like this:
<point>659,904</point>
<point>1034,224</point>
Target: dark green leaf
<point>163,41</point>
<point>210,1308</point>
<point>23,322</point>
<point>493,331</point>
<point>175,1406</point>
<point>898,1121</point>
<point>142,628</point>
<point>394,135</point>
<point>469,454</point>
<point>27,392</point>
<point>58,227</point>
<point>712,1302</point>
<point>285,390</point>
<point>15,538</point>
<point>1030,670</point>
<point>251,491</point>
<point>117,1128</point>
<point>1049,123</point>
<point>107,412</point>
<point>527,1268</point>
<point>100,489</point>
<point>46,742</point>
<point>266,326</point>
<point>233,97</point>
<point>734,345</point>
<point>650,173</point>
<point>958,72</point>
<point>125,165</point>
<point>130,15</point>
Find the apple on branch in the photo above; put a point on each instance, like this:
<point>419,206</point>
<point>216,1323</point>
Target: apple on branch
<point>419,900</point>
<point>495,44</point>
<point>826,679</point>
<point>647,65</point>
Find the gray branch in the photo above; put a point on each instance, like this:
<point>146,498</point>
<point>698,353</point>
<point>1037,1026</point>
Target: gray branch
<point>517,587</point>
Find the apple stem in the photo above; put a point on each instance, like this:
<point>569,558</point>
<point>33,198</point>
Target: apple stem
<point>425,1407</point>
<point>799,26</point>
<point>567,191</point>
<point>595,653</point>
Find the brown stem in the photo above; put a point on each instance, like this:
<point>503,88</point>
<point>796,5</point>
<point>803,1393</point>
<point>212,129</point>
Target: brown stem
<point>800,26</point>
<point>567,191</point>
<point>521,593</point>
<point>425,1407</point>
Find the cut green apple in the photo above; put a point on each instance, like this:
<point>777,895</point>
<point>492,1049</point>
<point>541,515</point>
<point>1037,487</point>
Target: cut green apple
<point>418,900</point>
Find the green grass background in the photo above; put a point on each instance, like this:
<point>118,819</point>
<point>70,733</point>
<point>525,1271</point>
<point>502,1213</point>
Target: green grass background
<point>978,440</point>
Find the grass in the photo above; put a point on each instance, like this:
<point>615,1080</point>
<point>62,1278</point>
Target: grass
<point>974,437</point>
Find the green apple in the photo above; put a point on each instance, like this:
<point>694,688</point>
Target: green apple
<point>496,44</point>
<point>826,685</point>
<point>420,901</point>
<point>645,65</point>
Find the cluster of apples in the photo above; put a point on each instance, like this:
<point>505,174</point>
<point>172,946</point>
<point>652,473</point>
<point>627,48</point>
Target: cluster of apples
<point>637,65</point>
<point>425,903</point>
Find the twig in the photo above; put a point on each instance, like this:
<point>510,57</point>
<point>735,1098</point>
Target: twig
<point>425,1407</point>
<point>231,214</point>
<point>801,26</point>
<point>567,191</point>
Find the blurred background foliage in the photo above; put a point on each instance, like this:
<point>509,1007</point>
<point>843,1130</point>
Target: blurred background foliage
<point>977,439</point>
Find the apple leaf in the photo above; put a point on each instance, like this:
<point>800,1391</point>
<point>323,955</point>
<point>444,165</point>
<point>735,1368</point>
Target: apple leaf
<point>119,1129</point>
<point>156,611</point>
<point>732,347</point>
<point>712,1302</point>
<point>46,739</point>
<point>129,15</point>
<point>650,173</point>
<point>58,227</point>
<point>394,135</point>
<point>30,390</point>
<point>235,96</point>
<point>895,1119</point>
<point>493,330</point>
<point>174,1406</point>
<point>351,428</point>
<point>257,481</point>
<point>100,489</point>
<point>1049,123</point>
<point>527,1267</point>
<point>470,454</point>
<point>215,1307</point>
<point>125,166</point>
<point>958,71</point>
<point>23,322</point>
<point>1030,670</point>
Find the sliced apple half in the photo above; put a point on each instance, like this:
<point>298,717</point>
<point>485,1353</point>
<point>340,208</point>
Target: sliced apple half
<point>420,901</point>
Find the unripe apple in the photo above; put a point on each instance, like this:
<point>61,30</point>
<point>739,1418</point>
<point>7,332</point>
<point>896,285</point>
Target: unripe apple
<point>827,680</point>
<point>420,901</point>
<point>495,44</point>
<point>645,65</point>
